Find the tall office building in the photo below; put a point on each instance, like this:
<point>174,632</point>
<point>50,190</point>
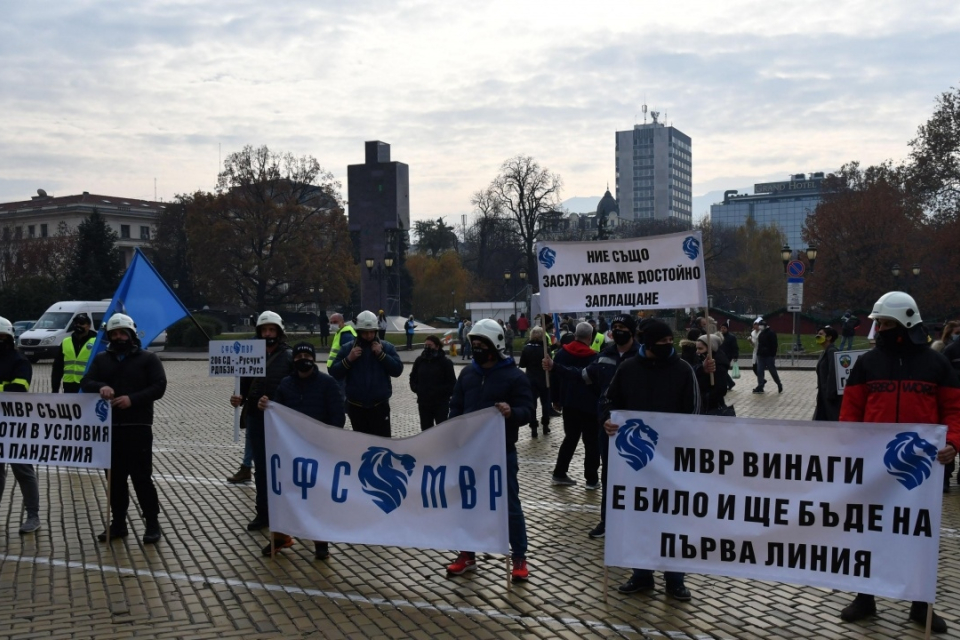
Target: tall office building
<point>654,172</point>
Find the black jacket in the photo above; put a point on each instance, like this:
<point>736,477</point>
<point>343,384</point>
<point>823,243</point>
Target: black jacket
<point>767,344</point>
<point>952,353</point>
<point>849,327</point>
<point>433,379</point>
<point>139,375</point>
<point>531,360</point>
<point>15,366</point>
<point>572,391</point>
<point>730,347</point>
<point>651,384</point>
<point>712,396</point>
<point>317,396</point>
<point>279,366</point>
<point>828,400</point>
<point>478,388</point>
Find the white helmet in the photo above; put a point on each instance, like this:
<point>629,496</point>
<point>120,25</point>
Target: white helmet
<point>366,321</point>
<point>491,331</point>
<point>6,327</point>
<point>899,306</point>
<point>269,317</point>
<point>122,321</point>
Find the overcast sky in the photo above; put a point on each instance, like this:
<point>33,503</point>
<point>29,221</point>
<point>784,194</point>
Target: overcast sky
<point>106,96</point>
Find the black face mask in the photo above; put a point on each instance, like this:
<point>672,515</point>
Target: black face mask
<point>271,341</point>
<point>621,336</point>
<point>662,351</point>
<point>483,356</point>
<point>121,346</point>
<point>79,330</point>
<point>304,365</point>
<point>430,353</point>
<point>895,338</point>
<point>6,345</point>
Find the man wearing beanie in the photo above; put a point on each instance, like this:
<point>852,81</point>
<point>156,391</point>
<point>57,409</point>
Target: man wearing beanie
<point>313,394</point>
<point>656,380</point>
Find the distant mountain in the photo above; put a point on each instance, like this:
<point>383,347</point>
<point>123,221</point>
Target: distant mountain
<point>581,205</point>
<point>701,204</point>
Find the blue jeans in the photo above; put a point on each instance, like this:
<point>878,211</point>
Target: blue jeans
<point>767,364</point>
<point>846,340</point>
<point>26,476</point>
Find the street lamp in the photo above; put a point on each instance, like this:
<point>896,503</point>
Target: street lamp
<point>786,255</point>
<point>523,284</point>
<point>915,270</point>
<point>377,272</point>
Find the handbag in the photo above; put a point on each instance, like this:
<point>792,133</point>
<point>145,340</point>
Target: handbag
<point>735,371</point>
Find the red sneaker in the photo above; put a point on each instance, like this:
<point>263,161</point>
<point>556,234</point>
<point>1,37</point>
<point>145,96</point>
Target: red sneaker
<point>466,561</point>
<point>520,571</point>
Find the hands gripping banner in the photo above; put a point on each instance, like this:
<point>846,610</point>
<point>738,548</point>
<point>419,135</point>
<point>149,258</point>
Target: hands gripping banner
<point>444,488</point>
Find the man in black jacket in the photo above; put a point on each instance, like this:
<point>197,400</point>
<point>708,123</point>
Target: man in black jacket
<point>730,348</point>
<point>848,329</point>
<point>767,357</point>
<point>828,400</point>
<point>657,380</point>
<point>579,403</point>
<point>131,379</point>
<point>432,380</point>
<point>531,360</point>
<point>279,366</point>
<point>313,394</point>
<point>71,360</point>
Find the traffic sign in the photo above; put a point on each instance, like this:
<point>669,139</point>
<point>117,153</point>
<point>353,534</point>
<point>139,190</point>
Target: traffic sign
<point>794,293</point>
<point>795,268</point>
<point>793,307</point>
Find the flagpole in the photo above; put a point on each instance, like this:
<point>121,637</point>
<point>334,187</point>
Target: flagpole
<point>236,410</point>
<point>546,346</point>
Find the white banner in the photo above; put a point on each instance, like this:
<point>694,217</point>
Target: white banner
<point>656,272</point>
<point>841,505</point>
<point>843,362</point>
<point>237,358</point>
<point>445,488</point>
<point>59,429</point>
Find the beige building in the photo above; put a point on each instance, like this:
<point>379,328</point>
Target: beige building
<point>134,220</point>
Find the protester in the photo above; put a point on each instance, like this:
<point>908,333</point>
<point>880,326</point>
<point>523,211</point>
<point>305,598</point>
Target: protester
<point>366,369</point>
<point>507,337</point>
<point>16,374</point>
<point>752,338</point>
<point>493,380</point>
<point>927,391</point>
<point>523,325</point>
<point>730,348</point>
<point>688,347</point>
<point>579,402</point>
<point>279,366</point>
<point>531,360</point>
<point>131,379</point>
<point>313,394</point>
<point>409,327</point>
<point>466,353</point>
<point>828,400</point>
<point>432,380</point>
<point>951,331</point>
<point>343,336</point>
<point>324,329</point>
<point>382,325</point>
<point>598,337</point>
<point>657,380</point>
<point>767,357</point>
<point>848,329</point>
<point>71,360</point>
<point>712,363</point>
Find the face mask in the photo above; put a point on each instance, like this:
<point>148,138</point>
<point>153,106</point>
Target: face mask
<point>429,353</point>
<point>662,351</point>
<point>702,356</point>
<point>334,327</point>
<point>78,330</point>
<point>482,356</point>
<point>892,338</point>
<point>271,341</point>
<point>954,337</point>
<point>120,346</point>
<point>621,336</point>
<point>304,365</point>
<point>6,345</point>
<point>821,339</point>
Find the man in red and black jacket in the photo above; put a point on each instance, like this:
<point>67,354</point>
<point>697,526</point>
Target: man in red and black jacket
<point>902,380</point>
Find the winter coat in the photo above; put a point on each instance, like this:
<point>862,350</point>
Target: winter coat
<point>15,369</point>
<point>138,374</point>
<point>666,385</point>
<point>828,400</point>
<point>572,391</point>
<point>478,388</point>
<point>531,360</point>
<point>368,377</point>
<point>731,347</point>
<point>767,344</point>
<point>849,327</point>
<point>317,396</point>
<point>712,396</point>
<point>279,366</point>
<point>433,379</point>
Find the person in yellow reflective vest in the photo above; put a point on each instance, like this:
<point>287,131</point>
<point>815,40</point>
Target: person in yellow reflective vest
<point>71,362</point>
<point>598,337</point>
<point>344,334</point>
<point>15,376</point>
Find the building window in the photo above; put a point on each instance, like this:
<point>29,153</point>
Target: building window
<point>31,231</point>
<point>43,231</point>
<point>125,231</point>
<point>144,233</point>
<point>18,232</point>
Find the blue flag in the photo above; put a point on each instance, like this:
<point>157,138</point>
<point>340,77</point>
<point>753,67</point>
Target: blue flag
<point>145,297</point>
<point>556,327</point>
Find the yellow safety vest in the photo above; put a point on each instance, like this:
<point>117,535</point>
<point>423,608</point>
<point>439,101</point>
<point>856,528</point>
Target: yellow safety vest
<point>597,342</point>
<point>335,346</point>
<point>75,364</point>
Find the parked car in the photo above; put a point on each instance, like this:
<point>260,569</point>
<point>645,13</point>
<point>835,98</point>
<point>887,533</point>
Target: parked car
<point>22,325</point>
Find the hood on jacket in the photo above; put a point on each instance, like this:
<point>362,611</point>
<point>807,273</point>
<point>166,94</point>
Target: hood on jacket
<point>578,349</point>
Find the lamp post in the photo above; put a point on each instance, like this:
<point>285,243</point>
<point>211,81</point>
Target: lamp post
<point>523,281</point>
<point>380,272</point>
<point>915,270</point>
<point>786,255</point>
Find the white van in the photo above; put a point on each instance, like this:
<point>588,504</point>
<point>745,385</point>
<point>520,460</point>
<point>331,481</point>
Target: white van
<point>44,339</point>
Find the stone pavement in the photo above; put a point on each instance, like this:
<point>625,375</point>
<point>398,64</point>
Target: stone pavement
<point>207,579</point>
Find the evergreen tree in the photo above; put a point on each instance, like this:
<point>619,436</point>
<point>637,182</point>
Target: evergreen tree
<point>97,263</point>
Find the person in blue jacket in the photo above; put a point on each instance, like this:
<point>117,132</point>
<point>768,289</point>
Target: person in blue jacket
<point>367,368</point>
<point>313,394</point>
<point>493,380</point>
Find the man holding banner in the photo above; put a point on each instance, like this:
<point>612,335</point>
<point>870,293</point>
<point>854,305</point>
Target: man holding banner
<point>902,380</point>
<point>493,380</point>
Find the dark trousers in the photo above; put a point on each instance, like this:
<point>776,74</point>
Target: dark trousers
<point>383,334</point>
<point>259,448</point>
<point>767,363</point>
<point>71,387</point>
<point>372,420</point>
<point>432,413</point>
<point>540,392</point>
<point>409,341</point>
<point>131,456</point>
<point>516,523</point>
<point>603,443</point>
<point>579,425</point>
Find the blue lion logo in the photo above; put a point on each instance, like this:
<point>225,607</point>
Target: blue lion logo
<point>236,347</point>
<point>380,479</point>
<point>691,247</point>
<point>909,459</point>
<point>547,257</point>
<point>632,445</point>
<point>102,409</point>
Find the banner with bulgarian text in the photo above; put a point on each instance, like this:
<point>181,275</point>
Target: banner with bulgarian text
<point>445,488</point>
<point>62,429</point>
<point>841,505</point>
<point>656,272</point>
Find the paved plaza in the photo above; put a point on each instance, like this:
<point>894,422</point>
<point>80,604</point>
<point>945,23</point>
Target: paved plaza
<point>207,579</point>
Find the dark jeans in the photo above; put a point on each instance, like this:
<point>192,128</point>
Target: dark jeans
<point>383,334</point>
<point>603,443</point>
<point>432,413</point>
<point>516,522</point>
<point>579,425</point>
<point>372,420</point>
<point>26,475</point>
<point>259,448</point>
<point>409,341</point>
<point>131,456</point>
<point>767,363</point>
<point>672,578</point>
<point>540,392</point>
<point>846,342</point>
<point>71,387</point>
